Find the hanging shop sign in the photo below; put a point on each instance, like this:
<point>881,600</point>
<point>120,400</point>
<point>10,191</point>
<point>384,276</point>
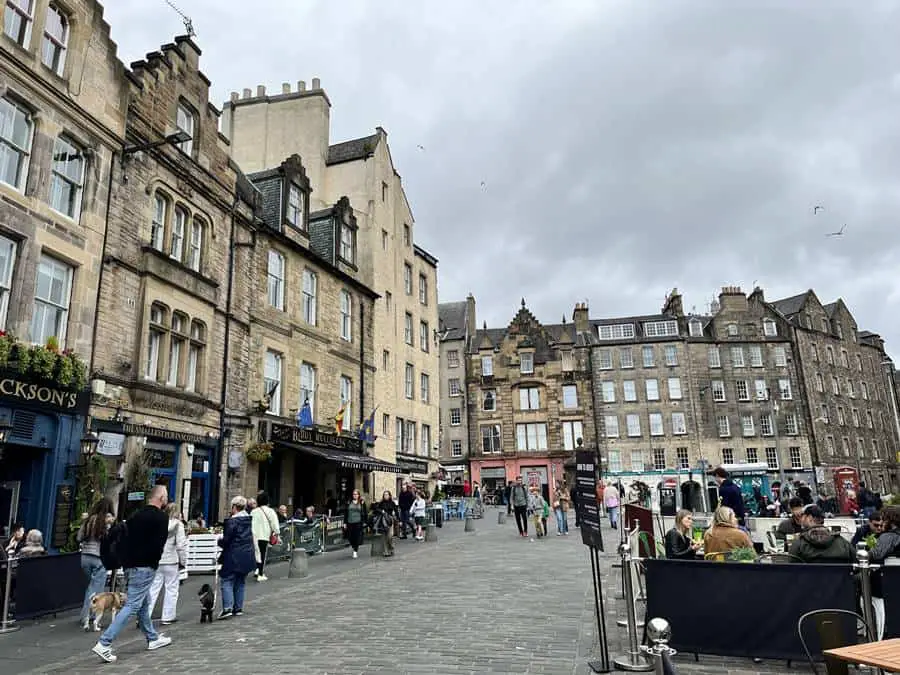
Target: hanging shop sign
<point>412,465</point>
<point>314,437</point>
<point>14,391</point>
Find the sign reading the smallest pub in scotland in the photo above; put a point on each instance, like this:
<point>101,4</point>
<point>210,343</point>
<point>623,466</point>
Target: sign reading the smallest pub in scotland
<point>18,392</point>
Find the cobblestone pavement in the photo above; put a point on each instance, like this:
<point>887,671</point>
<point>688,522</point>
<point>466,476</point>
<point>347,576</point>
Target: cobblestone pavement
<point>488,602</point>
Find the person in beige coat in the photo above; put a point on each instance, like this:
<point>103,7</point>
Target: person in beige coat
<point>725,535</point>
<point>174,558</point>
<point>265,530</point>
<point>561,509</point>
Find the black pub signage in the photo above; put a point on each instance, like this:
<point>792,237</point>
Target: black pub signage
<point>412,465</point>
<point>14,391</point>
<point>324,439</point>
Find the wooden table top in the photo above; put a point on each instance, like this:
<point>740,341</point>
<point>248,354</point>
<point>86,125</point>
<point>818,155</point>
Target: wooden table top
<point>884,654</point>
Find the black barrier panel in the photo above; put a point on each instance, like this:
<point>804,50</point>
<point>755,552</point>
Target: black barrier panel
<point>743,609</point>
<point>890,588</point>
<point>48,584</point>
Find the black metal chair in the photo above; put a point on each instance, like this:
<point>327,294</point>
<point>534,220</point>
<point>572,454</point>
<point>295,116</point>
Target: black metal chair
<point>831,628</point>
<point>778,557</point>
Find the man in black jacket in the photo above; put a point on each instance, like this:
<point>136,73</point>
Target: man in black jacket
<point>145,539</point>
<point>818,544</point>
<point>405,500</point>
<point>729,493</point>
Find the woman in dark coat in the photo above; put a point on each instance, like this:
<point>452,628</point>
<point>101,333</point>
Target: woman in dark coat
<point>386,514</point>
<point>238,557</point>
<point>679,542</point>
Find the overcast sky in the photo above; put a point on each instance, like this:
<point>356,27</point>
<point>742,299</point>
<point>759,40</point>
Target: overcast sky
<point>626,147</point>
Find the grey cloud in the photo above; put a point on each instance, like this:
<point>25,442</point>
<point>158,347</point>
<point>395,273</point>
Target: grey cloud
<point>627,147</point>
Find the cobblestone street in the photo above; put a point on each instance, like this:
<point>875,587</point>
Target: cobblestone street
<point>488,602</point>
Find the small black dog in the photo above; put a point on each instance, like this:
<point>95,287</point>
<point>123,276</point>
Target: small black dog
<point>206,603</point>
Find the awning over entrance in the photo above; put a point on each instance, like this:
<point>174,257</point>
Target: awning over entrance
<point>348,460</point>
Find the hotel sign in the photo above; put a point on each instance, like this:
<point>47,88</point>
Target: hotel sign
<point>290,434</point>
<point>13,391</point>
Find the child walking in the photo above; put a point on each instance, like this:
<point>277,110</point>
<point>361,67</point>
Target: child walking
<point>536,504</point>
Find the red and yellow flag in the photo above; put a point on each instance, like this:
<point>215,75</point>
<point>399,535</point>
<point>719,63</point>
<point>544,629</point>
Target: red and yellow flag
<point>339,419</point>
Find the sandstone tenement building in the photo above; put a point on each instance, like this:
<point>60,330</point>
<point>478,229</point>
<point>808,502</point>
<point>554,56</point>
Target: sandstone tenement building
<point>456,327</point>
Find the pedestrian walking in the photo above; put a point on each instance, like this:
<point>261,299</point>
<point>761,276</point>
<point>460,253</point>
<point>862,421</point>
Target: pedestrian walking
<point>238,558</point>
<point>518,497</point>
<point>406,499</point>
<point>143,540</point>
<point>89,536</point>
<point>536,505</point>
<point>611,500</point>
<point>418,513</point>
<point>386,516</point>
<point>561,509</point>
<point>173,560</point>
<point>356,518</point>
<point>266,532</point>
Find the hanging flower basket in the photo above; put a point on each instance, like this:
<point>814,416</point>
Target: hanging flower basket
<point>44,364</point>
<point>259,452</point>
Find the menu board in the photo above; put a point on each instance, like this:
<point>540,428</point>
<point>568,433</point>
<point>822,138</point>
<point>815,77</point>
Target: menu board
<point>586,490</point>
<point>62,515</point>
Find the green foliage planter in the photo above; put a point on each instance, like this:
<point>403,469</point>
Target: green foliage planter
<point>45,364</point>
<point>260,451</point>
<point>91,479</point>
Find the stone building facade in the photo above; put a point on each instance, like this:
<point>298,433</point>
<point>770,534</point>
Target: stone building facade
<point>63,99</point>
<point>311,334</point>
<point>456,326</point>
<point>846,377</point>
<point>262,130</point>
<point>528,395</point>
<point>677,393</point>
<point>164,345</point>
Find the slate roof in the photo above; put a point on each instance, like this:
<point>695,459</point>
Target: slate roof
<point>348,151</point>
<point>452,320</point>
<point>792,305</point>
<point>829,308</point>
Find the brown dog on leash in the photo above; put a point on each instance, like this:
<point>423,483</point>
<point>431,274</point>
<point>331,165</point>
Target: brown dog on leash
<point>103,602</point>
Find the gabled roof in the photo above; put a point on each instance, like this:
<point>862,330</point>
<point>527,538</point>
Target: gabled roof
<point>348,151</point>
<point>829,308</point>
<point>452,320</point>
<point>792,305</point>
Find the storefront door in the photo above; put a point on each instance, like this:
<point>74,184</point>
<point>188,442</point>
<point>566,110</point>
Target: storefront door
<point>163,465</point>
<point>9,506</point>
<point>198,502</point>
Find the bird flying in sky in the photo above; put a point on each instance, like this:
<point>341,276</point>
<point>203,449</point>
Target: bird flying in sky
<point>839,233</point>
<point>817,208</point>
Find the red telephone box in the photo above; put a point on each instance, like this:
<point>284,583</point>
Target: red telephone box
<point>845,480</point>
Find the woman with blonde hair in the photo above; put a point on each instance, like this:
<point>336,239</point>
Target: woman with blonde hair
<point>725,535</point>
<point>174,557</point>
<point>679,542</point>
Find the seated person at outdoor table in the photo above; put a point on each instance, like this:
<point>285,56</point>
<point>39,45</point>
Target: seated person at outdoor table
<point>725,535</point>
<point>679,544</point>
<point>817,543</point>
<point>874,526</point>
<point>794,524</point>
<point>310,516</point>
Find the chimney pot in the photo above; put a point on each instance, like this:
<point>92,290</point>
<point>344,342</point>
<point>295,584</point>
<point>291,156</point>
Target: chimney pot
<point>285,87</point>
<point>301,85</point>
<point>260,90</point>
<point>246,93</point>
<point>235,96</point>
<point>316,83</point>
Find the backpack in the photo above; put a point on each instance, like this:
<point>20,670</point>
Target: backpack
<point>113,546</point>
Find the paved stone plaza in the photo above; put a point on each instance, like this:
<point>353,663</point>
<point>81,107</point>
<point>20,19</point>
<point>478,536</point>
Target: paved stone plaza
<point>488,602</point>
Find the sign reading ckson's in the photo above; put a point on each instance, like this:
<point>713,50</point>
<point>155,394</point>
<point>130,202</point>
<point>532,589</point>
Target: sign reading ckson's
<point>71,402</point>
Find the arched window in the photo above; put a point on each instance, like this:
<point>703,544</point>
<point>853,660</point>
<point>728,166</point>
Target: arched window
<point>195,247</point>
<point>179,227</point>
<point>161,208</point>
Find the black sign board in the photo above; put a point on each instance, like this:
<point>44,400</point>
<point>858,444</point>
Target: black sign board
<point>14,391</point>
<point>301,436</point>
<point>62,515</point>
<point>586,491</point>
<point>412,465</point>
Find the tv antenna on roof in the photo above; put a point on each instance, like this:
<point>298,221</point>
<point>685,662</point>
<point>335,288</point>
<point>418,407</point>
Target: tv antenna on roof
<point>188,24</point>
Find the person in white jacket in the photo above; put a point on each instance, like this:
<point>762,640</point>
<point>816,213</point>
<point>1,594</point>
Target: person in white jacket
<point>174,557</point>
<point>265,530</point>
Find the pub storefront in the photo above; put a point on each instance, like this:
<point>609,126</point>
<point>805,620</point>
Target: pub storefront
<point>42,427</point>
<point>310,465</point>
<point>415,471</point>
<point>181,461</point>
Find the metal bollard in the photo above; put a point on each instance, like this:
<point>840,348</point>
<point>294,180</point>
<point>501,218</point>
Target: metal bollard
<point>633,660</point>
<point>634,597</point>
<point>660,632</point>
<point>7,626</point>
<point>865,585</point>
<point>501,517</point>
<point>470,524</point>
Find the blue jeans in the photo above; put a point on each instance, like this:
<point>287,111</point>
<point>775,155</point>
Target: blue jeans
<point>137,602</point>
<point>233,591</point>
<point>613,513</point>
<point>96,573</point>
<point>562,520</point>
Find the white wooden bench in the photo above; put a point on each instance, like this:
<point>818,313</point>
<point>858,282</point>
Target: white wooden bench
<point>203,553</point>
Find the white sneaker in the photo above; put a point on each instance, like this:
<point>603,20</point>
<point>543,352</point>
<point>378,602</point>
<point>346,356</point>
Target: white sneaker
<point>354,554</point>
<point>86,625</point>
<point>558,533</point>
<point>104,653</point>
<point>159,642</point>
<point>262,577</point>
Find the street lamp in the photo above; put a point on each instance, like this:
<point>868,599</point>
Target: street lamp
<point>89,443</point>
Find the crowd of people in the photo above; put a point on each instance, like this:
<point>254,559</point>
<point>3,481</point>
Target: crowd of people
<point>528,503</point>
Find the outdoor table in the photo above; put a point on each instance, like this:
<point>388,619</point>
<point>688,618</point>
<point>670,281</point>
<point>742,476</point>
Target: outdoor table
<point>884,654</point>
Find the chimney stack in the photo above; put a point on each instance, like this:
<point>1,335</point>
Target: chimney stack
<point>470,315</point>
<point>260,90</point>
<point>732,299</point>
<point>580,318</point>
<point>674,306</point>
<point>301,85</point>
<point>285,87</point>
<point>316,83</point>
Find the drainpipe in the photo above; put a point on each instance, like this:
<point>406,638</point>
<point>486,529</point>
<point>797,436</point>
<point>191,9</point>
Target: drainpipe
<point>362,360</point>
<point>109,187</point>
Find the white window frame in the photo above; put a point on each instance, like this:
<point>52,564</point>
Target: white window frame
<point>185,120</point>
<point>717,387</point>
<point>656,424</point>
<point>487,365</point>
<point>713,357</point>
<point>8,252</point>
<point>611,426</point>
<point>752,455</point>
<point>766,424</point>
<point>629,390</point>
<point>346,392</point>
<point>407,278</point>
<point>748,428</point>
<point>772,458</point>
<point>294,211</point>
<point>572,430</point>
<point>651,388</point>
<point>9,111</point>
<point>424,340</point>
<point>570,396</point>
<point>695,328</point>
<point>674,387</point>
<point>155,334</point>
<point>609,391</point>
<point>453,387</point>
<point>161,207</point>
<point>661,329</point>
<point>737,357</point>
<point>796,457</point>
<point>671,355</point>
<point>526,363</point>
<point>723,426</point>
<point>756,358</point>
<point>346,316</point>
<point>742,390</point>
<point>308,378</point>
<point>770,328</point>
<point>790,424</point>
<point>648,357</point>
<point>531,437</point>
<point>727,455</point>
<point>179,228</point>
<point>784,389</point>
<point>195,246</point>
<point>679,424</point>
<point>275,276</point>
<point>177,342</point>
<point>683,459</point>
<point>25,16</point>
<point>455,417</point>
<point>456,448</point>
<point>408,329</point>
<point>45,307</point>
<point>780,355</point>
<point>615,461</point>
<point>409,381</point>
<point>604,359</point>
<point>492,441</point>
<point>310,293</point>
<point>453,358</point>
<point>424,387</point>
<point>423,289</point>
<point>529,398</point>
<point>659,459</point>
<point>62,178</point>
<point>347,250</point>
<point>272,373</point>
<point>626,358</point>
<point>54,47</point>
<point>620,331</point>
<point>633,425</point>
<point>637,461</point>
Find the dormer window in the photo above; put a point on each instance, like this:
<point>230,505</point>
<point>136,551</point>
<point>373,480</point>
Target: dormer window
<point>348,243</point>
<point>185,121</point>
<point>840,331</point>
<point>695,328</point>
<point>295,207</point>
<point>825,327</point>
<point>732,330</point>
<point>526,363</point>
<point>769,328</point>
<point>56,40</point>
